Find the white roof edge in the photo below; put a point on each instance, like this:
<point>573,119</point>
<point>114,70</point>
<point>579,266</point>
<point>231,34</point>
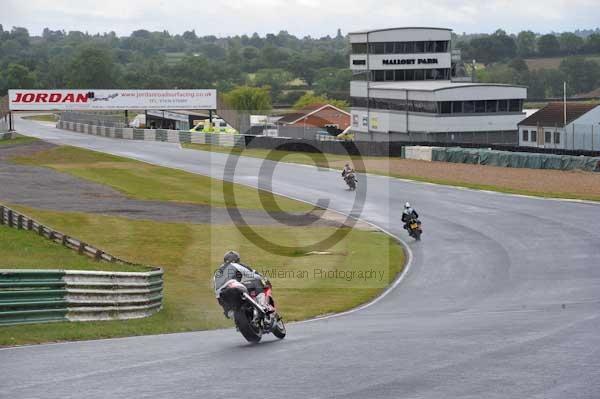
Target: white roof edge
<point>398,28</point>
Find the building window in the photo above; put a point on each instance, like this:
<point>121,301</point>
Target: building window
<point>376,48</point>
<point>457,107</point>
<point>400,47</point>
<point>491,106</point>
<point>419,47</point>
<point>399,75</point>
<point>354,120</point>
<point>502,105</point>
<point>359,48</point>
<point>479,106</point>
<point>441,46</point>
<point>410,74</point>
<point>525,135</point>
<point>419,75</point>
<point>445,107</point>
<point>389,47</point>
<point>515,106</point>
<point>410,47</point>
<point>365,121</point>
<point>556,137</point>
<point>359,62</point>
<point>378,76</point>
<point>534,136</point>
<point>429,47</point>
<point>468,107</point>
<point>389,75</point>
<point>548,137</point>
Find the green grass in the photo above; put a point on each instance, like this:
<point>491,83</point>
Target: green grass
<point>190,253</point>
<point>42,118</point>
<point>23,249</point>
<point>149,182</point>
<point>17,140</point>
<point>326,160</point>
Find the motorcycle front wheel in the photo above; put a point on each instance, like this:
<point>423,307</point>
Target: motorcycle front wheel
<point>243,321</point>
<point>279,329</point>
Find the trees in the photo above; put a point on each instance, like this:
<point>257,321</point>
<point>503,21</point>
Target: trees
<point>92,67</point>
<point>570,43</point>
<point>18,76</point>
<point>250,99</point>
<point>525,44</point>
<point>311,99</point>
<point>581,75</point>
<point>548,45</point>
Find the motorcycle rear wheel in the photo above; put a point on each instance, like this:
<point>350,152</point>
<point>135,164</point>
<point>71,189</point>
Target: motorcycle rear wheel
<point>243,321</point>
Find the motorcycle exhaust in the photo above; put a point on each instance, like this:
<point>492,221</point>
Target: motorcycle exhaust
<point>254,304</point>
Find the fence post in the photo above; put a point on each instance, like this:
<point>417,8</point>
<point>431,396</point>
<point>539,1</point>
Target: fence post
<point>20,222</point>
<point>1,215</point>
<point>10,218</point>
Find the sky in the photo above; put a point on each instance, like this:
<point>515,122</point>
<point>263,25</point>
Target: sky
<point>314,18</point>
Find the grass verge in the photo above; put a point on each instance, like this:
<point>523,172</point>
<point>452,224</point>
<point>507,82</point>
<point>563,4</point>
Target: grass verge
<point>337,161</point>
<point>143,181</point>
<point>17,140</point>
<point>305,285</point>
<point>23,249</point>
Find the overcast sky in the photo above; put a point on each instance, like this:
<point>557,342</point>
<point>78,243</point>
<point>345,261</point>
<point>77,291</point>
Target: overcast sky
<point>299,17</point>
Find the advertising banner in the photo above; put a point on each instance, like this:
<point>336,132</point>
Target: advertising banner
<point>116,99</point>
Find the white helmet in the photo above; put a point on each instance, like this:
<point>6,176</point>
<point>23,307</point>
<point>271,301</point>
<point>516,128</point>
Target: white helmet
<point>407,205</point>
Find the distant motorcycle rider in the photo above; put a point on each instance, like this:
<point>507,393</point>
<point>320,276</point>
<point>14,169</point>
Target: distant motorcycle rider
<point>233,269</point>
<point>407,214</point>
<point>347,169</point>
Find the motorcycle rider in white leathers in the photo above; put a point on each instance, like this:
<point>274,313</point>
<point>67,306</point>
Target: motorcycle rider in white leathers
<point>233,269</point>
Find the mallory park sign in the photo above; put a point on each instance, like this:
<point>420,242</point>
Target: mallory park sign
<point>410,61</point>
<point>117,99</point>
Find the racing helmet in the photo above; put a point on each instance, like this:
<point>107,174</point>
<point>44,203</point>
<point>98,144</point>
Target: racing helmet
<point>407,205</point>
<point>231,257</point>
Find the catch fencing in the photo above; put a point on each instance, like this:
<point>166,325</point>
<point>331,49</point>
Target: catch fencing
<point>35,296</point>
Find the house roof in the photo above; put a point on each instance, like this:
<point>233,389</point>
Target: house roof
<point>307,111</point>
<point>553,114</point>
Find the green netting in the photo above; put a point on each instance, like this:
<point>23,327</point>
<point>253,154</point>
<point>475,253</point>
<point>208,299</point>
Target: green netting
<point>515,159</point>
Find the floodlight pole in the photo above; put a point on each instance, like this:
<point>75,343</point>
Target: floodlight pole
<point>10,122</point>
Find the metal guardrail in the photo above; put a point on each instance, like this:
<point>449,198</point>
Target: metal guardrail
<point>171,136</point>
<point>35,296</point>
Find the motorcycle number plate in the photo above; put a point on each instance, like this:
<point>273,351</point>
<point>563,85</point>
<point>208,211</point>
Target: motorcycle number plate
<point>414,226</point>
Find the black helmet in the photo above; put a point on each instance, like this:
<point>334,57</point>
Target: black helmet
<point>231,257</point>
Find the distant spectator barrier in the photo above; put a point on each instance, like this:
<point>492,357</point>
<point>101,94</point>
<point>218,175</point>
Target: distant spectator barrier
<point>35,296</point>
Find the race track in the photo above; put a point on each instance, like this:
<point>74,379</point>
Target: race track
<point>502,300</point>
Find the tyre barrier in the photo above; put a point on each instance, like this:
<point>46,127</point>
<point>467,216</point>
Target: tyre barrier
<point>170,136</point>
<point>36,296</point>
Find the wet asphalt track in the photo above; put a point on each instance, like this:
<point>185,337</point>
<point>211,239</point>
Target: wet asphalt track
<point>502,300</point>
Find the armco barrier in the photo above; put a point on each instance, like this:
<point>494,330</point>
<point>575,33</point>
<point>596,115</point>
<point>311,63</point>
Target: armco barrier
<point>34,296</point>
<point>171,136</point>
